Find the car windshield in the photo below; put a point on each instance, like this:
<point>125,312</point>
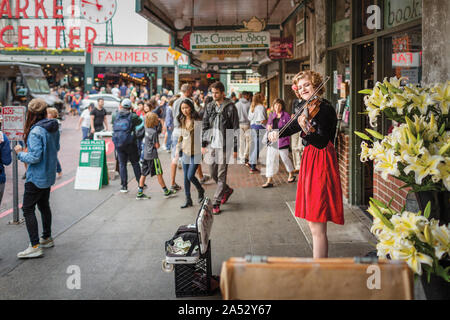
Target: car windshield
<point>35,79</point>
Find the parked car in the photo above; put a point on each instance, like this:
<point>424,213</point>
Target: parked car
<point>111,102</point>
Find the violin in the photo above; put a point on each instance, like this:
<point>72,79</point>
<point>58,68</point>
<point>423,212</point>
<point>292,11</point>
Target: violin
<point>310,111</point>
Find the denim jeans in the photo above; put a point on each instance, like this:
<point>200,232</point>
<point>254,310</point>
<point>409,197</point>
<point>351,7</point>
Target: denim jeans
<point>33,195</point>
<point>85,133</point>
<point>169,139</point>
<point>189,168</point>
<point>129,152</point>
<point>256,145</point>
<point>58,166</point>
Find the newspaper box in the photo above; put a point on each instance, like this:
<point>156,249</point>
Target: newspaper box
<point>189,254</point>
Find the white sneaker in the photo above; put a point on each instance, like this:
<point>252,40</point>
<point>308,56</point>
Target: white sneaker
<point>31,252</point>
<point>46,243</point>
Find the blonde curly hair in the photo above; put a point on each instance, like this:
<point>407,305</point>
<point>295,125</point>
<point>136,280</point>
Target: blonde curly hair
<point>315,78</point>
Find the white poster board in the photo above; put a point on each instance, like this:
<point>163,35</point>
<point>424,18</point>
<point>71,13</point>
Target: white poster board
<point>88,178</point>
<point>13,122</point>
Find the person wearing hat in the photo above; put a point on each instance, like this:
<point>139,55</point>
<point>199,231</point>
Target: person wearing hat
<point>124,123</point>
<point>41,136</point>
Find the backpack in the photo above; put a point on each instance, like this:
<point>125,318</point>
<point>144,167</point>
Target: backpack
<point>122,135</point>
<point>140,133</point>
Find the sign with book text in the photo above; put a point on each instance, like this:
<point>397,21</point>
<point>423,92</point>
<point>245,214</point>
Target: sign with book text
<point>92,171</point>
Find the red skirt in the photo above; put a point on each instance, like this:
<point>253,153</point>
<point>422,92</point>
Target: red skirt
<point>319,194</point>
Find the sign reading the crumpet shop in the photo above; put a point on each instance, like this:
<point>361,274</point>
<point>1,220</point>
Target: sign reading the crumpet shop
<point>230,40</point>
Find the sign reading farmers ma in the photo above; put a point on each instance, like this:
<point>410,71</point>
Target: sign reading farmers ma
<point>230,40</point>
<point>13,122</point>
<point>92,170</point>
<point>136,56</point>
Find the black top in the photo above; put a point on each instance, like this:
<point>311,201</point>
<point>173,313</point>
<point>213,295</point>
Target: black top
<point>99,117</point>
<point>324,122</point>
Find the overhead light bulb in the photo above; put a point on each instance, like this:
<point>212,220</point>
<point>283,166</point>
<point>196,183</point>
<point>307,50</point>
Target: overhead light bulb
<point>179,24</point>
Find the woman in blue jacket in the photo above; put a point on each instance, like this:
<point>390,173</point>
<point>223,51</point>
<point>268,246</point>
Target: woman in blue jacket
<point>5,159</point>
<point>41,137</point>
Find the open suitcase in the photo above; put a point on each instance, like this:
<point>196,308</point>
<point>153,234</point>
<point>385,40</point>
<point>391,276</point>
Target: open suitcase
<point>189,254</point>
<point>262,278</point>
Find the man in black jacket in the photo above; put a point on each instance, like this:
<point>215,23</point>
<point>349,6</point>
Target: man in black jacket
<point>220,116</point>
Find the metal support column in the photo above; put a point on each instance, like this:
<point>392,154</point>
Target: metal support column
<point>176,78</point>
<point>159,80</point>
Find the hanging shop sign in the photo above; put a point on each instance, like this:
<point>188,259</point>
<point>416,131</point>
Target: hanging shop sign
<point>281,48</point>
<point>136,56</point>
<point>229,40</point>
<point>39,36</point>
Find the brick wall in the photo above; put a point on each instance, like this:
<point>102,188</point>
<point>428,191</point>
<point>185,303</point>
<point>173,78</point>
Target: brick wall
<point>384,190</point>
<point>343,161</point>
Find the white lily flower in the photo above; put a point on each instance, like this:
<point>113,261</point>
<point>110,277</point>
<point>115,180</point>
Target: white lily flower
<point>423,166</point>
<point>444,169</point>
<point>442,96</point>
<point>422,102</point>
<point>441,238</point>
<point>387,164</point>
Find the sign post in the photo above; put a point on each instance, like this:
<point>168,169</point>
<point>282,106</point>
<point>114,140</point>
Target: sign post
<point>13,123</point>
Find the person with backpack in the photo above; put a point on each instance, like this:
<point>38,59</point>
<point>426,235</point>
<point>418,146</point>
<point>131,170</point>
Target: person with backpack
<point>75,104</point>
<point>124,139</point>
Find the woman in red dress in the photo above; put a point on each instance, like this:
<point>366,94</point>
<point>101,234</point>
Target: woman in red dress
<point>319,194</point>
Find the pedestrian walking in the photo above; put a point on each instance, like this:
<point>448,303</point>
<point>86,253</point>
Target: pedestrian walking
<point>190,143</point>
<point>257,117</point>
<point>169,124</point>
<point>5,160</point>
<point>319,194</point>
<point>85,121</point>
<point>220,115</point>
<point>243,107</point>
<point>75,103</point>
<point>186,92</point>
<point>41,136</point>
<point>124,139</point>
<point>52,113</point>
<point>98,118</point>
<point>278,120</point>
<point>151,164</point>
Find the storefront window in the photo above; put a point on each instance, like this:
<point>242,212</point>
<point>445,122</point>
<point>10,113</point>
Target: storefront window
<point>340,21</point>
<point>363,17</point>
<point>340,82</point>
<point>397,12</point>
<point>404,56</point>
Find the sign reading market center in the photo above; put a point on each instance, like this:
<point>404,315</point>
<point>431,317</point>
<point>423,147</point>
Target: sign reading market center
<point>229,40</point>
<point>136,56</point>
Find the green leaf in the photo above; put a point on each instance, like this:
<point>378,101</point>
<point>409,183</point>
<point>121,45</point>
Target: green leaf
<point>362,136</point>
<point>427,210</point>
<point>411,125</point>
<point>379,215</point>
<point>366,91</point>
<point>383,89</point>
<point>379,203</point>
<point>375,134</point>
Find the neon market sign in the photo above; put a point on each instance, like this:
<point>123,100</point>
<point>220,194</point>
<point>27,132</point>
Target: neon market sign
<point>39,36</point>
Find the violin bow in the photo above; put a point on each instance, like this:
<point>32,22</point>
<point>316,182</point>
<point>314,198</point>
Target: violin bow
<point>299,112</point>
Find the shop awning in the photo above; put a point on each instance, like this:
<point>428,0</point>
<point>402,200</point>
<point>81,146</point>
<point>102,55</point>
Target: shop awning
<point>180,18</point>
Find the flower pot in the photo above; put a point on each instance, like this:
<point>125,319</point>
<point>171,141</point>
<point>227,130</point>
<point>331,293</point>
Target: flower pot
<point>440,204</point>
<point>437,288</point>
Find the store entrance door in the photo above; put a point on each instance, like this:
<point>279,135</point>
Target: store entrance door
<point>365,58</point>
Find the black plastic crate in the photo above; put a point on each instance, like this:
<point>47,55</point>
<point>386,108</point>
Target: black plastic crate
<point>194,279</point>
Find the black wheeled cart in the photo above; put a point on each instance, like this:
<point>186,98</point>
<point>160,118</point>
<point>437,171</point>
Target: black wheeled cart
<point>189,254</point>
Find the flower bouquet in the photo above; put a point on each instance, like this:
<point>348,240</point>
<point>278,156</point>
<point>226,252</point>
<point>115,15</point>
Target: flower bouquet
<point>417,150</point>
<point>411,237</point>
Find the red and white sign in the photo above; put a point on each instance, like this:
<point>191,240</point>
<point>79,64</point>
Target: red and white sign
<point>13,122</point>
<point>407,59</point>
<point>136,56</point>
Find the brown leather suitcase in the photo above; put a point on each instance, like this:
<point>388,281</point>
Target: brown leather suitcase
<point>273,278</point>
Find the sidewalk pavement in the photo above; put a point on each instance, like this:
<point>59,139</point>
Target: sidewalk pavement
<point>119,245</point>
